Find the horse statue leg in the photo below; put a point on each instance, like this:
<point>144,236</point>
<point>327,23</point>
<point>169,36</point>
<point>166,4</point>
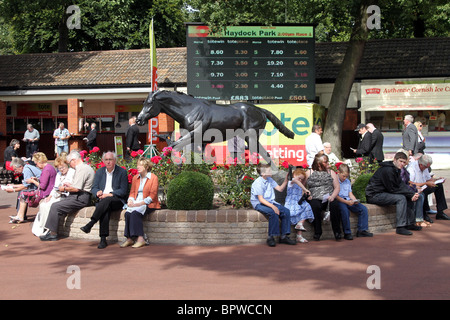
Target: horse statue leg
<point>188,137</point>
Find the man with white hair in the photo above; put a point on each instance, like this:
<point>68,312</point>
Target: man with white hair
<point>376,152</point>
<point>420,175</point>
<point>332,158</point>
<point>410,135</point>
<point>78,198</point>
<point>110,190</point>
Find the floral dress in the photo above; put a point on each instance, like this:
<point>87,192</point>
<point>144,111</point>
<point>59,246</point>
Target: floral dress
<point>301,211</point>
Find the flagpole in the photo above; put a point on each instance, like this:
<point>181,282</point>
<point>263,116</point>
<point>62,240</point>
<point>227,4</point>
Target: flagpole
<point>151,53</point>
<point>150,36</point>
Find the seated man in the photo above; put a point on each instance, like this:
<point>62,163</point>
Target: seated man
<point>262,199</point>
<point>332,158</point>
<point>386,187</point>
<point>419,174</point>
<point>110,190</point>
<point>78,198</point>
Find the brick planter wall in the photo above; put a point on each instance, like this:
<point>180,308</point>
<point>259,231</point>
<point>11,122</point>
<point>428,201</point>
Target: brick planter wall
<point>210,227</point>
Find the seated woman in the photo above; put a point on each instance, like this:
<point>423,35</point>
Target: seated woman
<point>48,174</point>
<point>11,153</point>
<point>299,211</point>
<point>29,173</point>
<point>324,187</point>
<point>65,174</point>
<point>143,199</point>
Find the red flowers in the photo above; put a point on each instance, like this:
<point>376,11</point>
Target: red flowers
<point>156,159</point>
<point>94,150</point>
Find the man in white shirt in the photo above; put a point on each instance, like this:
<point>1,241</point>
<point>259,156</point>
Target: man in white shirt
<point>313,144</point>
<point>332,158</point>
<point>110,189</point>
<point>419,174</point>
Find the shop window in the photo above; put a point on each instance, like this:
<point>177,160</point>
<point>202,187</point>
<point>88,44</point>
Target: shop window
<point>107,124</point>
<point>122,116</point>
<point>48,125</point>
<point>62,109</point>
<point>20,125</point>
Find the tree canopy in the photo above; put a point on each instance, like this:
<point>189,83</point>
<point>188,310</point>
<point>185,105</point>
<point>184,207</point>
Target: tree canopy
<point>41,25</point>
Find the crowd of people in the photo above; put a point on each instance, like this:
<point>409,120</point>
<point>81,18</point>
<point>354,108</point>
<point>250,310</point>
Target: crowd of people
<point>70,185</point>
<point>315,194</point>
<point>319,193</point>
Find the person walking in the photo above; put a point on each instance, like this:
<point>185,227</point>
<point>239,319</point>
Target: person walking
<point>410,135</point>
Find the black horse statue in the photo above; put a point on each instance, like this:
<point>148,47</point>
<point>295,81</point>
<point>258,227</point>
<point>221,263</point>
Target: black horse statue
<point>196,116</point>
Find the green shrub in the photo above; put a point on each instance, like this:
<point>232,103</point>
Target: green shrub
<point>359,186</point>
<point>190,190</point>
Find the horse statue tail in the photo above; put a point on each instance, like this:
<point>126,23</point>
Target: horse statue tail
<point>278,124</point>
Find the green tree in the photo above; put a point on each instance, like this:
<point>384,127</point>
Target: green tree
<point>335,20</point>
<point>41,25</point>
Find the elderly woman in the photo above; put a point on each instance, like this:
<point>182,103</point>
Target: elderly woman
<point>64,175</point>
<point>143,199</point>
<point>323,184</point>
<point>48,174</point>
<point>29,173</point>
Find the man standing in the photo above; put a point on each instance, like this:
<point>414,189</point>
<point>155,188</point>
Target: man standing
<point>365,142</point>
<point>132,141</point>
<point>420,175</point>
<point>376,151</point>
<point>61,135</point>
<point>386,187</point>
<point>110,189</point>
<point>78,198</point>
<point>31,137</point>
<point>91,139</point>
<point>313,144</point>
<point>410,135</point>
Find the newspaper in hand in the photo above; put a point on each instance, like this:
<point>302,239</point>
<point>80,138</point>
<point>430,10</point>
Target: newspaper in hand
<point>7,187</point>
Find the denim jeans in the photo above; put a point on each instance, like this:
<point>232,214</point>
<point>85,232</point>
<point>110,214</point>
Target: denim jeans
<point>60,149</point>
<point>274,219</point>
<point>363,216</point>
<point>418,207</point>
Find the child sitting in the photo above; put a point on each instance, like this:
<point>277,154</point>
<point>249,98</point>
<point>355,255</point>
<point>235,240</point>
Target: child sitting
<point>300,210</point>
<point>263,200</point>
<point>348,202</point>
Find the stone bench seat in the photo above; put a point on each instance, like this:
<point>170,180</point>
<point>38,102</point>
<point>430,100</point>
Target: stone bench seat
<point>210,227</point>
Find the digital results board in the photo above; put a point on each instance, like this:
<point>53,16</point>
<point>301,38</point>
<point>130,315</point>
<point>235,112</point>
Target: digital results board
<point>251,63</point>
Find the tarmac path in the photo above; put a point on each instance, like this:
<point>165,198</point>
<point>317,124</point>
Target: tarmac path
<point>409,267</point>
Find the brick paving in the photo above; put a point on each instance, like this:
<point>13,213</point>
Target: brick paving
<point>414,267</point>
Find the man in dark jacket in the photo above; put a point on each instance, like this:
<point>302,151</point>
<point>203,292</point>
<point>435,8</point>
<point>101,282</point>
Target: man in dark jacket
<point>387,188</point>
<point>132,142</point>
<point>365,142</point>
<point>91,139</point>
<point>410,136</point>
<point>110,189</point>
<point>376,152</point>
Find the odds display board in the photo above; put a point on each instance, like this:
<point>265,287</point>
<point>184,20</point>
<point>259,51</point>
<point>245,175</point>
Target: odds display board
<point>251,63</point>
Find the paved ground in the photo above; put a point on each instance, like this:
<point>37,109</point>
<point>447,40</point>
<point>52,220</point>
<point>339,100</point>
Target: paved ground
<point>415,267</point>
